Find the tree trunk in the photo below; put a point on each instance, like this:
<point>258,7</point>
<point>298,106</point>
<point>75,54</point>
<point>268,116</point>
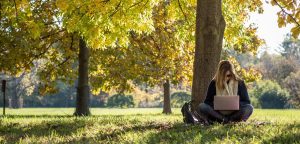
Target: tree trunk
<point>210,26</point>
<point>167,101</point>
<point>15,99</point>
<point>83,90</point>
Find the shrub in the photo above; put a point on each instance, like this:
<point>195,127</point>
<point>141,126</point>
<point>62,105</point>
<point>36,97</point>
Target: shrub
<point>179,98</point>
<point>269,94</point>
<point>120,100</point>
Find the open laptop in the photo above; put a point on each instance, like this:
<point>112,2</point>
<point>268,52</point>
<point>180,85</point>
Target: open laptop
<point>226,102</point>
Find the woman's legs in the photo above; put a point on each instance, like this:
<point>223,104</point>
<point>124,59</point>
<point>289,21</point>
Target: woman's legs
<point>210,113</point>
<point>243,114</point>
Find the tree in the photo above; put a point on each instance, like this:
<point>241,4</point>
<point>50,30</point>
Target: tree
<point>58,29</point>
<point>270,95</point>
<point>289,14</point>
<point>83,90</point>
<point>179,98</point>
<point>102,29</point>
<point>292,84</point>
<point>210,26</point>
<point>290,47</point>
<point>120,100</point>
<point>162,57</point>
<point>276,67</point>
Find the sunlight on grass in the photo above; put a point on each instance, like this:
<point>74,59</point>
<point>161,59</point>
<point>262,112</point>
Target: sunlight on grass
<point>147,125</point>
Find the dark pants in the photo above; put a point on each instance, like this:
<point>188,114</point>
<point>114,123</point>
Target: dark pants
<point>212,115</point>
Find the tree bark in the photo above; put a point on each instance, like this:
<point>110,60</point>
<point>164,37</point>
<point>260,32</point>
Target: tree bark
<point>83,90</point>
<point>15,99</point>
<point>210,26</point>
<point>167,100</point>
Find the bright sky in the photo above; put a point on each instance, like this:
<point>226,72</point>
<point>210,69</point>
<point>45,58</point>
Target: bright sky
<point>268,27</point>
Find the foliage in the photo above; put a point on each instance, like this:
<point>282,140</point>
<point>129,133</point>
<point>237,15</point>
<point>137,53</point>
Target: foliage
<point>290,47</point>
<point>273,99</point>
<point>238,35</point>
<point>151,58</point>
<point>292,83</point>
<point>289,14</point>
<point>269,94</point>
<point>42,125</point>
<point>249,74</point>
<point>179,98</point>
<point>120,100</point>
<point>276,67</point>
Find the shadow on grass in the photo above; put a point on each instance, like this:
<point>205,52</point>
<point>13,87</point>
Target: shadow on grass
<point>149,131</point>
<point>234,133</point>
<point>37,116</point>
<point>12,132</point>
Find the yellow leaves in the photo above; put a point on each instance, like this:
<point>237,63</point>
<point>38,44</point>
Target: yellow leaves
<point>290,14</point>
<point>281,21</point>
<point>62,4</point>
<point>295,31</point>
<point>273,2</point>
<point>34,29</point>
<point>247,74</point>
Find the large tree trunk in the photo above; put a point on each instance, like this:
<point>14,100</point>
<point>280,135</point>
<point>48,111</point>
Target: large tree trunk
<point>210,26</point>
<point>167,101</point>
<point>83,90</point>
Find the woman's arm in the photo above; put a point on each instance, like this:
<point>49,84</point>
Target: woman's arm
<point>242,92</point>
<point>211,92</point>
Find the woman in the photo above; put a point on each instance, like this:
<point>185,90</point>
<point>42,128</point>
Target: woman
<point>226,82</point>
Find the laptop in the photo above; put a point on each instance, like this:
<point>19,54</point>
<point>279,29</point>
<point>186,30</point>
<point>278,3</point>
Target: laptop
<point>227,102</point>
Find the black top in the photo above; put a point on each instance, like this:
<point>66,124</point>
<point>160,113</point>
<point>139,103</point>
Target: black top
<point>242,92</point>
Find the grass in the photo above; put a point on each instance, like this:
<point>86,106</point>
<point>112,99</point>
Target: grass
<point>142,125</point>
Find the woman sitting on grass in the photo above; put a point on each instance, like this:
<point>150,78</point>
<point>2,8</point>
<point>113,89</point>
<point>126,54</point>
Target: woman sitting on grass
<point>226,82</point>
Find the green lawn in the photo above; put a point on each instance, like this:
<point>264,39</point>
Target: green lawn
<point>57,125</point>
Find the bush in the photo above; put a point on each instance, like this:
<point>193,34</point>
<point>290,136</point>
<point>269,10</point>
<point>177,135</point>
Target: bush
<point>179,98</point>
<point>292,83</point>
<point>269,94</point>
<point>273,99</point>
<point>120,100</point>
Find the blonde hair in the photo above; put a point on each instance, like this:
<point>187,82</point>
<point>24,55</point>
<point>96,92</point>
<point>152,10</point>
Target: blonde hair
<point>223,67</point>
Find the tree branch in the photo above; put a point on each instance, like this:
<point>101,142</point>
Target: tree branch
<point>16,9</point>
<point>283,10</point>
<point>60,64</point>
<point>185,17</point>
<point>116,9</point>
<point>46,36</point>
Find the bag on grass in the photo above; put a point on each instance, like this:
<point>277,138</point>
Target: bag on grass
<point>188,115</point>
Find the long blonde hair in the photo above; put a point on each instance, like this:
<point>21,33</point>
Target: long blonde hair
<point>223,67</point>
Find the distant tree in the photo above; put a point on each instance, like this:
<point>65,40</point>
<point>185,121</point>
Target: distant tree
<point>270,95</point>
<point>120,100</point>
<point>273,99</point>
<point>292,84</point>
<point>276,67</point>
<point>179,98</point>
<point>290,47</point>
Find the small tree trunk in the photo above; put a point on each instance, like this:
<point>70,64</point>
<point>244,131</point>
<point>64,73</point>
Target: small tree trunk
<point>210,26</point>
<point>15,99</point>
<point>83,90</point>
<point>167,101</point>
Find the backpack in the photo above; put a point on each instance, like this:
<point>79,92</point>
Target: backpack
<point>188,116</point>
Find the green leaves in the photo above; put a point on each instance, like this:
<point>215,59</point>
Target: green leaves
<point>105,23</point>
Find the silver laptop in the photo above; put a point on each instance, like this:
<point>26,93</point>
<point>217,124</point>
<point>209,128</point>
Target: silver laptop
<point>226,103</point>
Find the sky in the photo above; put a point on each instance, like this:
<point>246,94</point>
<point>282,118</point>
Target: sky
<point>268,28</point>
